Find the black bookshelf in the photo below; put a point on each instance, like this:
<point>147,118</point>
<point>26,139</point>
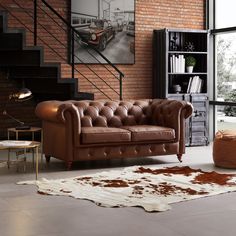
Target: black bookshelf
<point>171,47</point>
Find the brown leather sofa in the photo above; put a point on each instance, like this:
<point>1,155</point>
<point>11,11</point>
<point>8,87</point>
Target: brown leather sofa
<point>91,130</point>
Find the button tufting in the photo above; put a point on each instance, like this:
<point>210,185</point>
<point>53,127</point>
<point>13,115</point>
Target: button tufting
<point>121,151</point>
<point>164,148</point>
<point>152,148</point>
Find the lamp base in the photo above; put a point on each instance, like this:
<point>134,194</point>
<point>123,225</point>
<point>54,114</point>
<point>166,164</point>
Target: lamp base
<point>23,127</point>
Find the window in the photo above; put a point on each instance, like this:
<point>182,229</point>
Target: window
<point>225,13</point>
<point>226,67</point>
<point>223,29</point>
<point>226,117</point>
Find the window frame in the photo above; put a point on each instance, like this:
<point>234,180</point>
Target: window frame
<point>211,26</point>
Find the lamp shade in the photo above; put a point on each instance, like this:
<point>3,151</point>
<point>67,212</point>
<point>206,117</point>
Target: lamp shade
<point>23,94</point>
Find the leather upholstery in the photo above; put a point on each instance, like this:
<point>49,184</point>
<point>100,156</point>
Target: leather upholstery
<point>114,113</point>
<point>105,152</point>
<point>152,127</point>
<point>150,132</point>
<point>104,135</point>
<point>224,149</point>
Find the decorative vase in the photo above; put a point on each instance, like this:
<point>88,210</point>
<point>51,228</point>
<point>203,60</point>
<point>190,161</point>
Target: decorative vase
<point>177,88</point>
<point>189,69</point>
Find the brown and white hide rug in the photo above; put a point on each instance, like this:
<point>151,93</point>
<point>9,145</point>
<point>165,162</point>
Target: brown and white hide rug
<point>151,188</point>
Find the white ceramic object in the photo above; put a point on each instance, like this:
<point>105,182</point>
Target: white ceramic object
<point>189,69</point>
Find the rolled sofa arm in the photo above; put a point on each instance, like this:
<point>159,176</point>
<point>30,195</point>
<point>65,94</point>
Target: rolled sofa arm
<point>166,112</point>
<point>54,111</point>
<point>64,112</point>
<point>172,114</point>
<point>61,128</point>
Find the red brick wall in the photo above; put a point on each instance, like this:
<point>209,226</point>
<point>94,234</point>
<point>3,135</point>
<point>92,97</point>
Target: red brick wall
<point>150,14</point>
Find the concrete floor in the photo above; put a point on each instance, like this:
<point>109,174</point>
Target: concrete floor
<point>23,212</point>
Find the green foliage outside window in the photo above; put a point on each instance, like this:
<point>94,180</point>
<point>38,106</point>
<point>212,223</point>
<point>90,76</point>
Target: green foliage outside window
<point>225,66</point>
<point>230,97</point>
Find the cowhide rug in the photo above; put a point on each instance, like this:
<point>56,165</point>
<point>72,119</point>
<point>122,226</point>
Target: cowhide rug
<point>150,188</point>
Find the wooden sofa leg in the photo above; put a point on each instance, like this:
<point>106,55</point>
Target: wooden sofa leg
<point>179,156</point>
<point>68,165</point>
<point>47,158</point>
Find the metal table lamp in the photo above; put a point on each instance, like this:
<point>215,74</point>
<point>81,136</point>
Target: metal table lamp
<point>22,95</point>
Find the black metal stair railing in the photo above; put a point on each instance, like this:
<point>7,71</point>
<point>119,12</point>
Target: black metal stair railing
<point>75,33</point>
<point>65,59</point>
<point>75,56</point>
<point>45,43</point>
<point>74,36</point>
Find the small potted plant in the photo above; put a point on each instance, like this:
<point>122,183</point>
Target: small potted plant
<point>190,62</point>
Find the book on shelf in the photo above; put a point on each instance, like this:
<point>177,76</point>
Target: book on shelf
<point>177,64</point>
<point>189,84</point>
<point>195,85</point>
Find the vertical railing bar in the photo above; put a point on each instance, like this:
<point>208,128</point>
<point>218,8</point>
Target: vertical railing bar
<point>35,22</point>
<point>73,53</point>
<point>121,92</point>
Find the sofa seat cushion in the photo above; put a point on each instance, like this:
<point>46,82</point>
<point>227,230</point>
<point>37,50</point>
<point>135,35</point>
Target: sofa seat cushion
<point>150,132</point>
<point>104,135</point>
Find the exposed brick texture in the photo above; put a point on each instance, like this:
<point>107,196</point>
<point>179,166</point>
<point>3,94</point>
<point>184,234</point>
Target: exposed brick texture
<point>150,14</point>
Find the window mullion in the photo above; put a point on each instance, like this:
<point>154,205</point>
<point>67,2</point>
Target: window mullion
<point>223,30</point>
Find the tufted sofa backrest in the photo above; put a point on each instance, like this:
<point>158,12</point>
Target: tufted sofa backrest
<point>114,113</point>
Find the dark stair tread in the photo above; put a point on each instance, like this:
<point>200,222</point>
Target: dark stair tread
<point>26,63</point>
<point>84,96</point>
<point>40,97</point>
<point>3,20</point>
<point>34,72</point>
<point>20,58</point>
<point>11,42</point>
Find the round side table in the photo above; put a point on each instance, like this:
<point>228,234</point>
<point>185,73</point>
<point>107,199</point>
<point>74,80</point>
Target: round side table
<point>32,130</point>
<point>22,145</point>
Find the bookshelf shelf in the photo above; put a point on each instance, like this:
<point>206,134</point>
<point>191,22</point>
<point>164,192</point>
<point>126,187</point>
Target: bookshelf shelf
<point>171,47</point>
<point>185,73</point>
<point>185,52</point>
<point>188,93</point>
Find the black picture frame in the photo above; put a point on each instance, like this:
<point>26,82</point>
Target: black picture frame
<point>106,25</point>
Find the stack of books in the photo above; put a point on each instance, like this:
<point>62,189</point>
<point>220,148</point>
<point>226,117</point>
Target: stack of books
<point>177,64</point>
<point>195,85</point>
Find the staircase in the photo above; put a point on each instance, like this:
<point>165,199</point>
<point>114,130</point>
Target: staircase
<point>26,65</point>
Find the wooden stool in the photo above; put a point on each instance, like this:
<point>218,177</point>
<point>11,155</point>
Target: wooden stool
<point>224,149</point>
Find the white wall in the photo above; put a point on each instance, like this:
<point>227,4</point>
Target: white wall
<point>89,7</point>
<point>124,5</point>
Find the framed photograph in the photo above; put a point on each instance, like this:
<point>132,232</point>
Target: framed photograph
<point>107,25</point>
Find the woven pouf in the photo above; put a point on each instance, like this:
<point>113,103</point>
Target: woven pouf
<point>224,149</point>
